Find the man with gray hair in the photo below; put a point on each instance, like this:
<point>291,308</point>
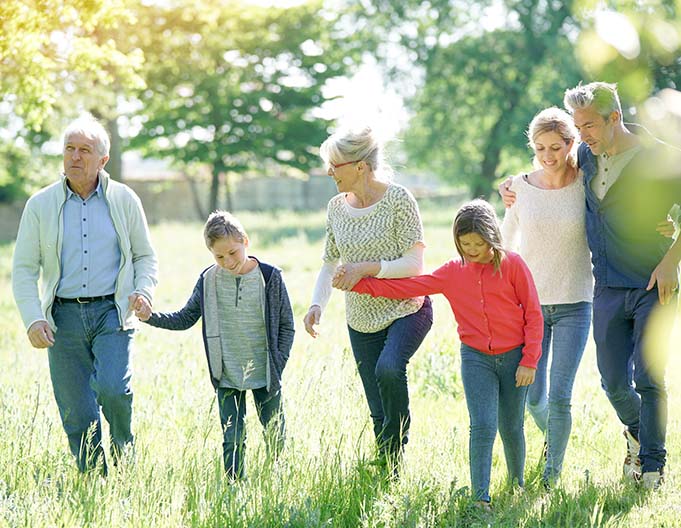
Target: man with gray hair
<point>86,237</point>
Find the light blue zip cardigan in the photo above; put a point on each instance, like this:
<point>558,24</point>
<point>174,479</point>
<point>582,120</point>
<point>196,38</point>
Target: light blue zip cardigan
<point>39,243</point>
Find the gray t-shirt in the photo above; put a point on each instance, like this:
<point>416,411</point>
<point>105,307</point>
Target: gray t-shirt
<point>241,303</point>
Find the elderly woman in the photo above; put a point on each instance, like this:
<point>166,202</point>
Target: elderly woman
<point>374,228</point>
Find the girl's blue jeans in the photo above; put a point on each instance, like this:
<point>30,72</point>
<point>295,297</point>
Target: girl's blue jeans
<point>493,401</point>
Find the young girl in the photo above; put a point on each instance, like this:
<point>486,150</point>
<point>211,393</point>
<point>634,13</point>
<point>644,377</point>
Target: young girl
<point>500,326</point>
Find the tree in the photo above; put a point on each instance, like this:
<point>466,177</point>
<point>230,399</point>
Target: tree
<point>233,86</point>
<point>479,87</point>
<point>49,48</point>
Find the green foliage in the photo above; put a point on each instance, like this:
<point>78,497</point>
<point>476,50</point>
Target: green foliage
<point>480,87</point>
<point>49,48</point>
<point>323,478</point>
<point>233,86</point>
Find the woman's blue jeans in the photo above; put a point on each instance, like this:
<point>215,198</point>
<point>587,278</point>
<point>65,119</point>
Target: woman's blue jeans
<point>566,329</point>
<point>89,368</point>
<point>493,401</point>
<point>382,359</point>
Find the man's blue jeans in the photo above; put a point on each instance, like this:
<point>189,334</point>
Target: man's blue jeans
<point>89,368</point>
<point>382,359</point>
<point>493,401</point>
<point>232,405</point>
<point>566,329</point>
<point>620,320</point>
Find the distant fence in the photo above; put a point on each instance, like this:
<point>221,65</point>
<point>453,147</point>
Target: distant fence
<point>171,199</point>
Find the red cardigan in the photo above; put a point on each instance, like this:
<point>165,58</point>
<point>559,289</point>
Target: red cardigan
<point>495,312</point>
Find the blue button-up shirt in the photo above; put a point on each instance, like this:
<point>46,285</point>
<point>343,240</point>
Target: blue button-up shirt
<point>625,247</point>
<point>90,255</point>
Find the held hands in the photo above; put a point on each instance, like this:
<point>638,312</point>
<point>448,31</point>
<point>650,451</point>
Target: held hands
<point>312,318</point>
<point>140,304</point>
<point>40,335</point>
<point>507,195</point>
<point>347,275</point>
<point>524,376</point>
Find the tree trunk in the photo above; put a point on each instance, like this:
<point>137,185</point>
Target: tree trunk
<point>228,192</point>
<point>115,164</point>
<point>214,188</point>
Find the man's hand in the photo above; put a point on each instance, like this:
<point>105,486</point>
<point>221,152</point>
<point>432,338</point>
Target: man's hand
<point>140,304</point>
<point>524,376</point>
<point>40,335</point>
<point>665,275</point>
<point>507,195</point>
<point>312,318</point>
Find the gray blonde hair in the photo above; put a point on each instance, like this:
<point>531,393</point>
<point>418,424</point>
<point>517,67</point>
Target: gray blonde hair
<point>89,127</point>
<point>601,95</point>
<point>221,224</point>
<point>479,217</point>
<point>356,145</point>
<point>553,119</point>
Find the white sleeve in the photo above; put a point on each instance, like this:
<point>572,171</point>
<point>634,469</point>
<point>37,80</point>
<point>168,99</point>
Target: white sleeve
<point>408,265</point>
<point>322,288</point>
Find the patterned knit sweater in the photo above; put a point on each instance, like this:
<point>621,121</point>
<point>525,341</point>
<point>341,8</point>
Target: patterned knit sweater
<point>390,229</point>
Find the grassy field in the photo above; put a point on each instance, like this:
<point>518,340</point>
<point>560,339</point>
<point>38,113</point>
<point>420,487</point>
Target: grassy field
<point>323,478</point>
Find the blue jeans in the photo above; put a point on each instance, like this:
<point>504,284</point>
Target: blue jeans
<point>232,405</point>
<point>89,368</point>
<point>493,400</point>
<point>566,329</point>
<point>382,359</point>
<point>620,320</point>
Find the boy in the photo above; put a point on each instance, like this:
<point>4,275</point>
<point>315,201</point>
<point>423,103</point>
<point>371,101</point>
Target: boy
<point>247,326</point>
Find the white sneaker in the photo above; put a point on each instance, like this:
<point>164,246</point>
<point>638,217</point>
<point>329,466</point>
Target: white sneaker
<point>652,480</point>
<point>632,464</point>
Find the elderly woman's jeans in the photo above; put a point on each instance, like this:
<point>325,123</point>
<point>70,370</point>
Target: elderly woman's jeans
<point>493,400</point>
<point>89,368</point>
<point>382,359</point>
<point>566,329</point>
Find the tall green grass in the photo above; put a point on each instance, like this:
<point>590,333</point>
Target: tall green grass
<point>323,477</point>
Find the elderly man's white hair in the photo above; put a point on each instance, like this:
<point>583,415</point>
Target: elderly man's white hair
<point>88,126</point>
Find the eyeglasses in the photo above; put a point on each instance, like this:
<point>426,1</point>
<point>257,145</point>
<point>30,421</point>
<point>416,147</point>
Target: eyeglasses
<point>333,166</point>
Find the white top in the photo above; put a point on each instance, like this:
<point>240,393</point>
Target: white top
<point>548,228</point>
<point>609,169</point>
<point>391,228</point>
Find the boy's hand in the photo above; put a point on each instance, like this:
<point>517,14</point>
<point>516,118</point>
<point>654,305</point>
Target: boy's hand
<point>524,376</point>
<point>312,318</point>
<point>141,305</point>
<point>507,195</point>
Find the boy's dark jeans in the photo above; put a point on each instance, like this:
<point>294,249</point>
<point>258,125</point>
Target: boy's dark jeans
<point>382,359</point>
<point>232,404</point>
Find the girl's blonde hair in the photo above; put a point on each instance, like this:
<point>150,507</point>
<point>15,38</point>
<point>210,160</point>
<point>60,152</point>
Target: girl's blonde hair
<point>553,119</point>
<point>221,224</point>
<point>479,217</point>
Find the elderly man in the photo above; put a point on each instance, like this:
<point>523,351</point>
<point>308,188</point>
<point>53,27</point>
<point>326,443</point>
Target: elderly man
<point>87,238</point>
<point>631,182</point>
